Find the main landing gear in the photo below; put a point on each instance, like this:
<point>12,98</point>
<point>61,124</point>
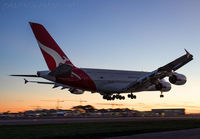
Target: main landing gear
<point>108,97</point>
<point>119,97</point>
<point>131,96</point>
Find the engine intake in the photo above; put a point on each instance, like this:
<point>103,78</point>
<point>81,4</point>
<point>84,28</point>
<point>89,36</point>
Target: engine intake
<point>177,79</point>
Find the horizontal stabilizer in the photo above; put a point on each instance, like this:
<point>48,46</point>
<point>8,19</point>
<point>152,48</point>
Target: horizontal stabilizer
<point>55,84</point>
<point>25,75</point>
<point>26,81</point>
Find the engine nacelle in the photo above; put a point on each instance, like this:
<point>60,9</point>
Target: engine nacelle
<point>177,79</point>
<point>163,86</point>
<point>76,91</point>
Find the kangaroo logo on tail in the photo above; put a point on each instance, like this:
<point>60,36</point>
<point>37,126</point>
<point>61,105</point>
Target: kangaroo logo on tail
<point>52,53</point>
<point>57,58</point>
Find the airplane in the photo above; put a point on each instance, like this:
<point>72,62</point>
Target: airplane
<point>109,83</point>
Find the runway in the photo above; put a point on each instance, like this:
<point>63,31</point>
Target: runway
<point>178,134</point>
<point>86,120</point>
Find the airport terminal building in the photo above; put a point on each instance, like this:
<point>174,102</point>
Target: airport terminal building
<point>169,112</point>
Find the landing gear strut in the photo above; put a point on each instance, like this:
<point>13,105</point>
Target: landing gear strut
<point>131,96</point>
<point>161,95</point>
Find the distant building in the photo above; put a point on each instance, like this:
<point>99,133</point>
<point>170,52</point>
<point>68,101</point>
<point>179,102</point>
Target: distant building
<point>169,112</point>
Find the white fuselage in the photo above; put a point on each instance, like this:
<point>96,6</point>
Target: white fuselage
<point>107,81</point>
<point>112,80</point>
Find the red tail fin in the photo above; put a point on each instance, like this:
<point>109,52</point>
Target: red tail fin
<point>52,53</point>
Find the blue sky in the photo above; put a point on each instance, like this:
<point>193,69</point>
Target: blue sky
<point>112,34</point>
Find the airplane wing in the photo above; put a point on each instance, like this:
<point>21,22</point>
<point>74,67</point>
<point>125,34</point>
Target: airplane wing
<point>178,63</point>
<point>156,75</point>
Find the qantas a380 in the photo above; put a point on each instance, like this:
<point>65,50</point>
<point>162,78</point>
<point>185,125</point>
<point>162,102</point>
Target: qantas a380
<point>109,83</point>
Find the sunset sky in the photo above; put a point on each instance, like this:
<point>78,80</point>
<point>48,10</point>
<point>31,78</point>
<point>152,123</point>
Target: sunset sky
<point>108,34</point>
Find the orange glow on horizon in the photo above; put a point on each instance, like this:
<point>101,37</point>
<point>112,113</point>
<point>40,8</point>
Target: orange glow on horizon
<point>139,107</point>
<point>30,99</point>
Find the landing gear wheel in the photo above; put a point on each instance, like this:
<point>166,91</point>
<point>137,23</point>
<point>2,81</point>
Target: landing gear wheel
<point>161,95</point>
<point>113,98</point>
<point>117,96</point>
<point>108,97</point>
<point>131,96</point>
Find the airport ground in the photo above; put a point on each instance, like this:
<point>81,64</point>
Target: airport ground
<point>177,134</point>
<point>94,127</point>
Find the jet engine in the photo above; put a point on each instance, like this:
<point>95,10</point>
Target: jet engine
<point>177,79</point>
<point>163,86</point>
<point>76,91</point>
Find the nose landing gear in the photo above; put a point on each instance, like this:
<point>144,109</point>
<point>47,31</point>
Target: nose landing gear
<point>161,95</point>
<point>131,96</point>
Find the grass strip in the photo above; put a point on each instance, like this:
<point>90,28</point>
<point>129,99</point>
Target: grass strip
<point>94,130</point>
